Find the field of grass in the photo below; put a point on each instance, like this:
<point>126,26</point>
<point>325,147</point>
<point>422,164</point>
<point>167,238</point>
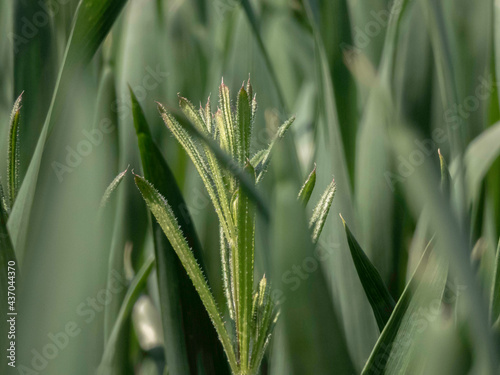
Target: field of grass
<point>249,187</point>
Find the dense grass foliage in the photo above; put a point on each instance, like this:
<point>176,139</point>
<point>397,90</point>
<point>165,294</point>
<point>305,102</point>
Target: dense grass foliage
<point>340,214</point>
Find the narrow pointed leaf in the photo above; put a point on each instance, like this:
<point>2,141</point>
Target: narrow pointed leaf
<point>495,290</point>
<point>111,188</point>
<point>479,156</point>
<point>192,114</point>
<point>136,286</point>
<point>380,299</point>
<point>8,267</point>
<point>445,174</point>
<point>320,212</point>
<point>244,122</point>
<point>227,274</point>
<point>426,285</point>
<point>228,121</point>
<point>13,157</point>
<point>308,187</point>
<point>165,217</point>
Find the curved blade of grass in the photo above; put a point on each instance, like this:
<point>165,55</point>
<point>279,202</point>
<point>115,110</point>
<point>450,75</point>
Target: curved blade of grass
<point>479,157</point>
<point>93,20</point>
<point>495,290</point>
<point>243,259</point>
<point>375,289</point>
<point>13,156</point>
<point>308,187</point>
<point>111,188</point>
<point>320,212</point>
<point>166,218</point>
<point>193,115</point>
<point>6,255</point>
<point>445,174</point>
<point>136,286</point>
<point>427,283</point>
<point>188,332</point>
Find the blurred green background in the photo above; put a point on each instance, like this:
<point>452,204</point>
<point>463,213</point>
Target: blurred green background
<point>377,86</point>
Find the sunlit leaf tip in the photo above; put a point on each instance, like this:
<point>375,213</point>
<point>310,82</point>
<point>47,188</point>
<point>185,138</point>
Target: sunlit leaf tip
<point>445,173</point>
<point>112,187</point>
<point>320,212</point>
<point>308,187</point>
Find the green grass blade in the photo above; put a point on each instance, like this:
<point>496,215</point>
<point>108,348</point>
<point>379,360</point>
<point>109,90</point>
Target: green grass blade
<point>244,125</point>
<point>193,115</point>
<point>226,259</point>
<point>188,332</point>
<point>427,284</point>
<point>244,266</point>
<point>165,217</point>
<point>375,289</point>
<point>7,256</point>
<point>308,187</point>
<point>133,292</point>
<point>445,174</point>
<point>227,129</point>
<point>111,188</point>
<point>13,156</point>
<point>3,199</point>
<point>93,20</point>
<point>479,157</point>
<point>495,290</point>
<point>320,212</point>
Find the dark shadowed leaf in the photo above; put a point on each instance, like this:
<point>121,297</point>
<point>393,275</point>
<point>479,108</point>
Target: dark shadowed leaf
<point>375,289</point>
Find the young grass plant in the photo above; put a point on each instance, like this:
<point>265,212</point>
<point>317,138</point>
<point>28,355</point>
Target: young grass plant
<point>252,311</point>
<point>230,175</point>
